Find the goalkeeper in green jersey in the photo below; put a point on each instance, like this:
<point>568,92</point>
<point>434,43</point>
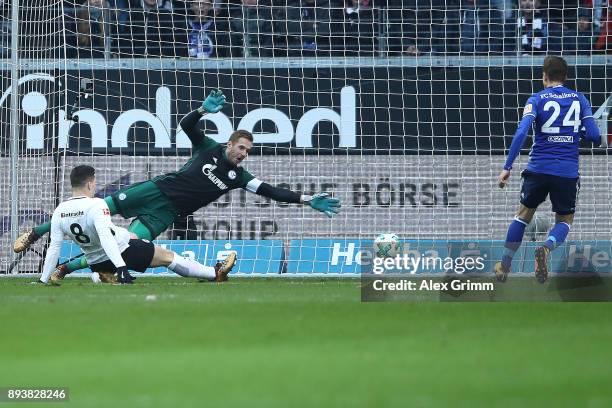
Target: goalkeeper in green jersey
<point>212,171</point>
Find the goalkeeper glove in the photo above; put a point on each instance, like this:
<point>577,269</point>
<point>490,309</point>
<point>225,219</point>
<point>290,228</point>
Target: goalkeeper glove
<point>324,203</point>
<point>123,275</point>
<point>214,102</point>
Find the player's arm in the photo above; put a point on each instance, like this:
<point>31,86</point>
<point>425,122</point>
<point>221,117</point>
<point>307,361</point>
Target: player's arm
<point>212,104</point>
<point>53,252</point>
<point>529,115</point>
<point>103,224</point>
<point>591,130</point>
<point>321,202</point>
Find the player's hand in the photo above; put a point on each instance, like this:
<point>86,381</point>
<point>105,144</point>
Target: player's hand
<point>123,276</point>
<point>326,204</point>
<point>503,178</point>
<point>214,102</point>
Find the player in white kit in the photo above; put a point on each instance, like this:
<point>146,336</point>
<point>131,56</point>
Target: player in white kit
<point>87,221</point>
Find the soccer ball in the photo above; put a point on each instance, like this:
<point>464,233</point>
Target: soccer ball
<point>387,246</point>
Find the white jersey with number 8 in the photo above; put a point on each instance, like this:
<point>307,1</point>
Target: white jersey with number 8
<point>87,222</point>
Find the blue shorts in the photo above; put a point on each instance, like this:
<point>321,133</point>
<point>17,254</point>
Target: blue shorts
<point>563,191</point>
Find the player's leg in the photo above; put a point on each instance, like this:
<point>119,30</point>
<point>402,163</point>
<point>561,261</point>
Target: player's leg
<point>58,274</point>
<point>137,257</point>
<point>107,272</point>
<point>25,240</point>
<point>142,254</point>
<point>514,239</point>
<point>153,211</point>
<point>559,231</point>
<point>152,225</point>
<point>140,229</point>
<point>189,268</point>
<point>75,264</point>
<point>534,191</point>
<point>563,195</point>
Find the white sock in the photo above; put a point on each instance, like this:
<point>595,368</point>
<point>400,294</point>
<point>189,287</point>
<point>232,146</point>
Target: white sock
<point>191,269</point>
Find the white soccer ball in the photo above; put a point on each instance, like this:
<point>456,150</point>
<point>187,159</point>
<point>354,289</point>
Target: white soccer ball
<point>387,246</point>
<point>95,277</point>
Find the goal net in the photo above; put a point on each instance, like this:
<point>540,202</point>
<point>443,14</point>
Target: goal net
<point>404,111</point>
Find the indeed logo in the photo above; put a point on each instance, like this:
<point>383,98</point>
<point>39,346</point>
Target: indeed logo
<point>35,104</point>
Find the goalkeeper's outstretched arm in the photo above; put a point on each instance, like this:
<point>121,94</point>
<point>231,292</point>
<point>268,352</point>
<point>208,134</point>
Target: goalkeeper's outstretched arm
<point>321,202</point>
<point>212,104</point>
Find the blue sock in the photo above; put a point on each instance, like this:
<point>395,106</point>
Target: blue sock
<point>557,235</point>
<point>514,238</point>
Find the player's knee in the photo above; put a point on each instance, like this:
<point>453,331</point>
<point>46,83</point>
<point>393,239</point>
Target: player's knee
<point>522,221</point>
<point>566,218</point>
<point>525,214</point>
<point>163,256</point>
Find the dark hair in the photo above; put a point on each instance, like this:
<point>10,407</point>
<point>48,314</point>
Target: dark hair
<point>81,175</point>
<point>239,134</point>
<point>555,68</point>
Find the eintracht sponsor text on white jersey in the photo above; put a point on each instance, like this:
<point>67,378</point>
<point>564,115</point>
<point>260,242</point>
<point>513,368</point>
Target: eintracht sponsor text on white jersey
<point>87,222</point>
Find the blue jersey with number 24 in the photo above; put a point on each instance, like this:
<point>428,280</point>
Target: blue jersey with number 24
<point>558,113</point>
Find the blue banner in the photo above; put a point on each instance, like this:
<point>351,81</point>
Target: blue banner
<point>327,256</point>
<point>440,256</point>
<point>354,256</point>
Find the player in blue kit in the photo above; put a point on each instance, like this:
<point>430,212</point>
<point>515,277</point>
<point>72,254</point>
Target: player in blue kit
<point>561,117</point>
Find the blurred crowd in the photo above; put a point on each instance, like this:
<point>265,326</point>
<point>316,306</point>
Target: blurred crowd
<point>286,28</point>
<point>506,26</point>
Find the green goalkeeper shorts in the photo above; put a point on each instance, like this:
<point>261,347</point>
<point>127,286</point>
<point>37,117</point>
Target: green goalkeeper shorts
<point>147,203</point>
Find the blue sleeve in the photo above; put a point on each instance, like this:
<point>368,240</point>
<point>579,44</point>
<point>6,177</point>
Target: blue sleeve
<point>585,107</point>
<point>519,139</point>
<point>531,107</point>
<point>591,131</point>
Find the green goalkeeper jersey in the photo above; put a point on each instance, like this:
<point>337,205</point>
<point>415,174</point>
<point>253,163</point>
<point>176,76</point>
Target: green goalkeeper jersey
<point>205,177</point>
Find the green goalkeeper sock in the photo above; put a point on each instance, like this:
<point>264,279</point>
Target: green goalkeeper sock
<point>42,229</point>
<point>76,264</point>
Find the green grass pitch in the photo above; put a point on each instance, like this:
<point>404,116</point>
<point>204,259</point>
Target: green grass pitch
<point>296,342</point>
